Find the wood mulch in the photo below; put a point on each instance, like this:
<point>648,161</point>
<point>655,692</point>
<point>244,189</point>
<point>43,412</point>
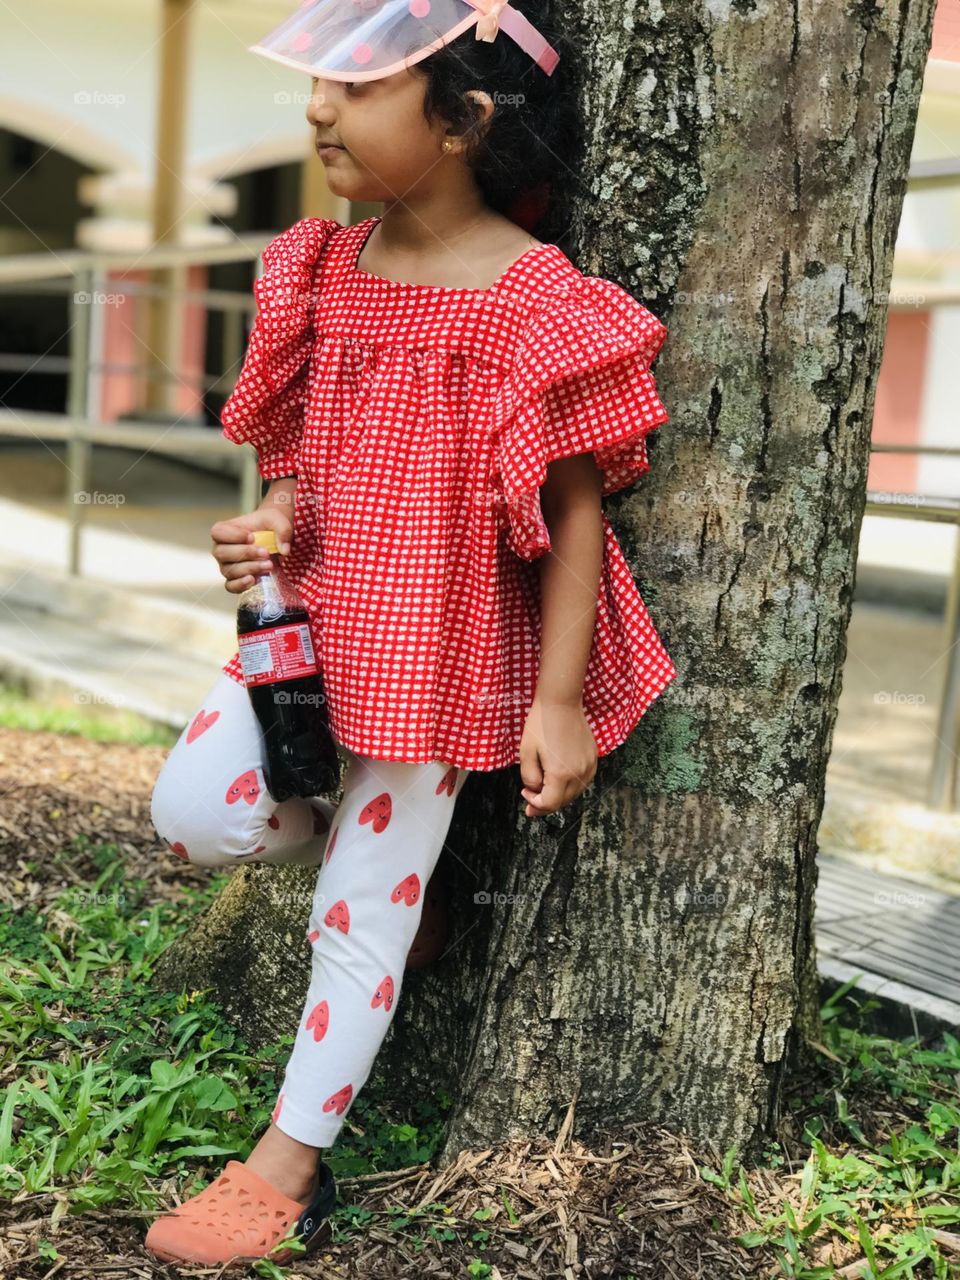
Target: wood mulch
<point>631,1204</point>
<point>641,1210</point>
<point>57,786</point>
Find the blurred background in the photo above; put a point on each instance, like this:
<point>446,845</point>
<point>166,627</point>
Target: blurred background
<point>146,157</point>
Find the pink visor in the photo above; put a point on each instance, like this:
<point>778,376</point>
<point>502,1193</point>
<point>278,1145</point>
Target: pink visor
<point>369,39</point>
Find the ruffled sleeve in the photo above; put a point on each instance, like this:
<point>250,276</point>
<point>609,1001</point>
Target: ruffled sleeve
<point>580,382</point>
<point>266,406</point>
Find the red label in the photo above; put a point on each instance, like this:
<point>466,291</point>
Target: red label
<point>279,653</point>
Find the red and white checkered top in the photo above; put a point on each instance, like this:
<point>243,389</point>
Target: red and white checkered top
<point>420,420</point>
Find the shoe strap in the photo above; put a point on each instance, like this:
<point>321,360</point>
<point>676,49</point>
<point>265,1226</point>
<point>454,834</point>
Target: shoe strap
<point>322,1204</point>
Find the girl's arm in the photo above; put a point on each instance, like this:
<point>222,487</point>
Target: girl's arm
<point>281,494</point>
<point>558,754</point>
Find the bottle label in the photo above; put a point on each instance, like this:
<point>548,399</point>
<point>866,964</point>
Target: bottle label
<point>278,653</point>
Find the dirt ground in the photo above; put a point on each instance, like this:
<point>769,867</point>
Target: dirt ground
<point>632,1204</point>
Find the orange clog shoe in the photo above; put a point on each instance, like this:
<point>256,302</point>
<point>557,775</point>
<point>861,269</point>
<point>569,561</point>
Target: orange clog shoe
<point>240,1217</point>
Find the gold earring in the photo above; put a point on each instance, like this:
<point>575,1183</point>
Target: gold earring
<point>447,144</point>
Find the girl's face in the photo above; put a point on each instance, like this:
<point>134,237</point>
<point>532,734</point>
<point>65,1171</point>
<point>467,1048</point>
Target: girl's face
<point>389,149</point>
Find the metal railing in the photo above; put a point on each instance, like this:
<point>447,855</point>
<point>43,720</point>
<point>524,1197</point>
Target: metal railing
<point>942,780</point>
<point>83,277</point>
<point>87,273</point>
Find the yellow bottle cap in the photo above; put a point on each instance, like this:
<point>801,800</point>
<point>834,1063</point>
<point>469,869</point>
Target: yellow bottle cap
<point>266,538</point>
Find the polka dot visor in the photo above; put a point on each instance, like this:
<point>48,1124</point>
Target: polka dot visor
<point>354,40</point>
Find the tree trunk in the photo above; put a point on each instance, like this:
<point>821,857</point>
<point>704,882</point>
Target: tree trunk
<point>652,954</point>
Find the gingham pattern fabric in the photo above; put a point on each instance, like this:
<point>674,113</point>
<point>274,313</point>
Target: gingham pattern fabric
<point>420,420</point>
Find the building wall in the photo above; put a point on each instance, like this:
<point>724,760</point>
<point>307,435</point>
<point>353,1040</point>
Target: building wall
<point>80,85</point>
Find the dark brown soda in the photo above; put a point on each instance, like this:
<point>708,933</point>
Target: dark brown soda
<point>300,752</point>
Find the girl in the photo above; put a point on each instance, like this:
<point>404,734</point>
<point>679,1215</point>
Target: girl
<point>439,401</point>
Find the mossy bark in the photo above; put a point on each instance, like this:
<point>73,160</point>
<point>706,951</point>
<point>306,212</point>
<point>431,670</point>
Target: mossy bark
<point>250,950</point>
<point>652,954</point>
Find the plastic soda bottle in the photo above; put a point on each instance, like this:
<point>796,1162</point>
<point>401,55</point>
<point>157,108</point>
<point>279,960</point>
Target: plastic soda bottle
<point>285,685</point>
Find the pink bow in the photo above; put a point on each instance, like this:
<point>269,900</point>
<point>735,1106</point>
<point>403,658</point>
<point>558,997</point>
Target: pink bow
<point>488,24</point>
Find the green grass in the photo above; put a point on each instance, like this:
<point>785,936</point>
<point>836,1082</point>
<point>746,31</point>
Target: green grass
<point>111,1085</point>
<point>114,1084</point>
<point>908,1183</point>
<point>79,715</point>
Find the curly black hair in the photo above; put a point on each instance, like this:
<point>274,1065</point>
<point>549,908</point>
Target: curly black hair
<point>520,158</point>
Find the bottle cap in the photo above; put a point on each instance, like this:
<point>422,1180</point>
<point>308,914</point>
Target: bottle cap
<point>266,538</point>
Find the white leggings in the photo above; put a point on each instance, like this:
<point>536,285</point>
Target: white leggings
<point>376,851</point>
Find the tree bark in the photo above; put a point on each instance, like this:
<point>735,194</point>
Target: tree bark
<point>653,956</point>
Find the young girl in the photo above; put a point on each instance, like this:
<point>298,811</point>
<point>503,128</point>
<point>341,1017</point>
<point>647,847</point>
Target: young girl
<point>439,401</point>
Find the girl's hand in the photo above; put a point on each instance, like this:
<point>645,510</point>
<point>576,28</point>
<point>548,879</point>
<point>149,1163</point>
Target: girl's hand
<point>239,561</point>
<point>558,756</point>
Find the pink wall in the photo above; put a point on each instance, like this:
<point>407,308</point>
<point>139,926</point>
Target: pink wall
<point>946,31</point>
<point>123,339</point>
<point>899,400</point>
<point>899,403</point>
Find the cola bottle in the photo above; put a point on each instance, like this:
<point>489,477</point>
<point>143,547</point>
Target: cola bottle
<point>283,680</point>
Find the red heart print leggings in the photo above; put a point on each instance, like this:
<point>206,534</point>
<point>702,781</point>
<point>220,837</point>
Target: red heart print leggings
<point>376,850</point>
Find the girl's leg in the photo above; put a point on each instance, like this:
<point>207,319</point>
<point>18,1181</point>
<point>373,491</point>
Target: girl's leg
<point>210,802</point>
<point>386,838</point>
<point>384,841</point>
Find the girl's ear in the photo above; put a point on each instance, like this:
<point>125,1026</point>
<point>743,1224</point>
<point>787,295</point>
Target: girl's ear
<point>478,114</point>
<point>484,109</point>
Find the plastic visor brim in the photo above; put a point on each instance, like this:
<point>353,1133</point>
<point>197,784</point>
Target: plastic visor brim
<point>355,77</point>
